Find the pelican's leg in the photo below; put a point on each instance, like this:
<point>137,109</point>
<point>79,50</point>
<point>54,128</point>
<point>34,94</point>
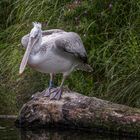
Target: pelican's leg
<point>57,92</point>
<point>47,92</point>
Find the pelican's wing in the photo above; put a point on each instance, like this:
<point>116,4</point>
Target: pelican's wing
<point>73,44</point>
<point>25,38</point>
<point>49,32</point>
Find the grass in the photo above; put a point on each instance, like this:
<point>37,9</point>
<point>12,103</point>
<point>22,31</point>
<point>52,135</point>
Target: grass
<point>110,33</point>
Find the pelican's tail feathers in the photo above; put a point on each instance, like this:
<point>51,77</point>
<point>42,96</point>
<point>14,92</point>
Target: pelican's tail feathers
<point>84,67</point>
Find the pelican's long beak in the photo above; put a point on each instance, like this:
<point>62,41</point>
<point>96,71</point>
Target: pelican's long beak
<point>26,55</point>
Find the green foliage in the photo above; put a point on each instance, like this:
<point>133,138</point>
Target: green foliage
<point>109,30</point>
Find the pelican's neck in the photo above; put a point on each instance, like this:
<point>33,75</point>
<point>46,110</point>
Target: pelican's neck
<point>37,45</point>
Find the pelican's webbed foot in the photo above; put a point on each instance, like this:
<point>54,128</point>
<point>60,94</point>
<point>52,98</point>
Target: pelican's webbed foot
<point>56,93</point>
<point>47,92</point>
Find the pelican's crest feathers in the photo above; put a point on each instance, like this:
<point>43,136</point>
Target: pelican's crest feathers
<point>37,24</point>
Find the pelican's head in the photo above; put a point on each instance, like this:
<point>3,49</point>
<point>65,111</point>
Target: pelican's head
<point>36,31</point>
<point>34,37</point>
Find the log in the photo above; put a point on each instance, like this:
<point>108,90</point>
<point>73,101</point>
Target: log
<point>77,111</point>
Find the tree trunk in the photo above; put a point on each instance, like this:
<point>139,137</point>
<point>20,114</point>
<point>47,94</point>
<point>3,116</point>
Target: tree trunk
<point>79,112</point>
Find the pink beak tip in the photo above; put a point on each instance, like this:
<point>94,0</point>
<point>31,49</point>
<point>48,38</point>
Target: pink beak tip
<point>20,73</point>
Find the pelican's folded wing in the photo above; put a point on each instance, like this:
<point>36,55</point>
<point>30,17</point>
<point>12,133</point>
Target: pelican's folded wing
<point>25,38</point>
<point>73,44</point>
<point>49,32</point>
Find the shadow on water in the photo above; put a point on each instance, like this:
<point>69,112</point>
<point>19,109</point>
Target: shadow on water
<point>9,132</point>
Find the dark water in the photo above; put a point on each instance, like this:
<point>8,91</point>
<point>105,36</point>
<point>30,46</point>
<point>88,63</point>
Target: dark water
<point>9,132</point>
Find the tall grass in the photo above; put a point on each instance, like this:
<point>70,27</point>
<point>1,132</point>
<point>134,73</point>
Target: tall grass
<point>109,30</point>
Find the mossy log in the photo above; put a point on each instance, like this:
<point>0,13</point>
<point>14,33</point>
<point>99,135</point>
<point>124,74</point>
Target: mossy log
<point>79,112</point>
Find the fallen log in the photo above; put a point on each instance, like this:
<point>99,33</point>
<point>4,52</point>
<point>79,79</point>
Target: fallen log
<point>79,112</point>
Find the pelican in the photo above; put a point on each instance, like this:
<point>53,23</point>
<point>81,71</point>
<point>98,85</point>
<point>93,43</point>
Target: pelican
<point>53,51</point>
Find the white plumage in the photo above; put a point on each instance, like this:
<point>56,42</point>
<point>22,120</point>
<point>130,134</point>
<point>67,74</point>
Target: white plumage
<point>54,51</point>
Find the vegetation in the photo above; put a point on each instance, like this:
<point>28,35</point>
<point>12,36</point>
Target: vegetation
<point>110,32</point>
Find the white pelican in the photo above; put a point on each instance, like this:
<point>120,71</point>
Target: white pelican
<point>53,51</point>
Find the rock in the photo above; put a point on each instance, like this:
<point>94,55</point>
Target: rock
<point>77,111</point>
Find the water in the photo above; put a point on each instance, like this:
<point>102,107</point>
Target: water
<point>9,132</point>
